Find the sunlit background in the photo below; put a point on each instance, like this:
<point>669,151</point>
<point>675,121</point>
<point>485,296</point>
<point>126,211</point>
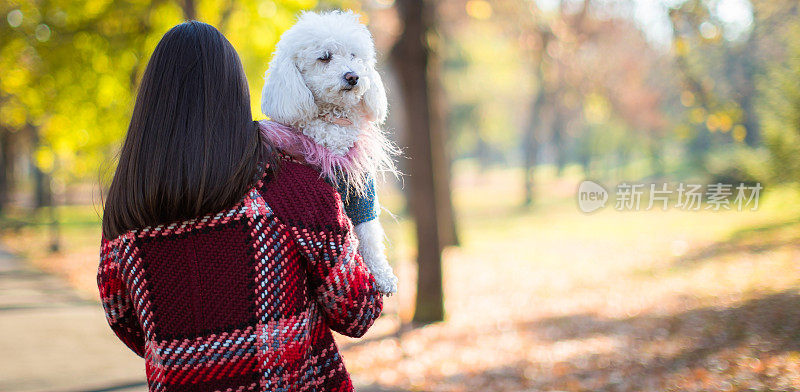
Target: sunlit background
<point>527,98</point>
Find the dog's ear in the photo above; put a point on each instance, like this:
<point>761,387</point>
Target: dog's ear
<point>285,97</point>
<point>374,99</point>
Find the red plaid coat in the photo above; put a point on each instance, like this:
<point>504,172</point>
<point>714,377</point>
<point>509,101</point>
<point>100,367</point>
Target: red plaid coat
<point>245,299</point>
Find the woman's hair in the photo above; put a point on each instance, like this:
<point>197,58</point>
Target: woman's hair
<point>192,147</point>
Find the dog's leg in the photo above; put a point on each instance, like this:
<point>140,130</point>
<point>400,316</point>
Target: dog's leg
<point>370,236</point>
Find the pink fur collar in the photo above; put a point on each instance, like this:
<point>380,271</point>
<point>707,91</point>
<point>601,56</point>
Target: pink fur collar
<point>370,154</point>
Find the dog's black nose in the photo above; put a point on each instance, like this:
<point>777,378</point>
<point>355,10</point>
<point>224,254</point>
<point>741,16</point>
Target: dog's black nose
<point>351,78</point>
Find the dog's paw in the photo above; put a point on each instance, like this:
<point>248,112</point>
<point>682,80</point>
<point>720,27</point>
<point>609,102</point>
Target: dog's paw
<point>387,284</point>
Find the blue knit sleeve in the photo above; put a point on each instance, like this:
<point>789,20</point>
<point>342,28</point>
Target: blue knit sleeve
<point>360,208</point>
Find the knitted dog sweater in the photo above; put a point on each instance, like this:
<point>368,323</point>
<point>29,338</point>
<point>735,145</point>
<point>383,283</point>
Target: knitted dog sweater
<point>245,299</point>
<point>360,207</point>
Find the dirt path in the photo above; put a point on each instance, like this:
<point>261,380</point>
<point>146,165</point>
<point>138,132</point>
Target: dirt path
<point>52,340</point>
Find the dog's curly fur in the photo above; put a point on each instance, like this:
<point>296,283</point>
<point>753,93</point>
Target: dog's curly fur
<point>306,88</point>
<point>308,93</point>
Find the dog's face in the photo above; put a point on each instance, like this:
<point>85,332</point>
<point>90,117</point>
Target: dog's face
<point>323,59</point>
<point>336,72</point>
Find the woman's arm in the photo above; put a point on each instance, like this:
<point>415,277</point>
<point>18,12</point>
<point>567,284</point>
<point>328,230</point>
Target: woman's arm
<point>116,299</point>
<point>339,278</point>
<point>312,211</point>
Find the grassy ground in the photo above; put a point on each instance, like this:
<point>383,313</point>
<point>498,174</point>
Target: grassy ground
<point>549,298</point>
<point>30,235</point>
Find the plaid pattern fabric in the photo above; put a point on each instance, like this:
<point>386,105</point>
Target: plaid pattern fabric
<point>245,299</point>
<point>359,208</point>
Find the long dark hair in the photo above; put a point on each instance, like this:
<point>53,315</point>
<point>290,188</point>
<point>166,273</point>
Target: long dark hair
<point>192,147</point>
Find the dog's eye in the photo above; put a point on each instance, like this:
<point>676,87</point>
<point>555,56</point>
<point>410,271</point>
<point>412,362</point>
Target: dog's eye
<point>325,57</point>
<point>352,55</point>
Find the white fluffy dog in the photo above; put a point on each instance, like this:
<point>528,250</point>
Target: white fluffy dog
<point>327,102</point>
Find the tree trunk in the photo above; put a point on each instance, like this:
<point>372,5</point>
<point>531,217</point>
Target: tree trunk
<point>529,150</point>
<point>699,146</point>
<point>529,145</point>
<point>558,139</point>
<point>189,10</point>
<point>6,167</point>
<point>410,56</point>
<point>43,192</point>
<point>748,91</point>
<point>744,65</point>
<point>656,158</point>
<point>448,233</point>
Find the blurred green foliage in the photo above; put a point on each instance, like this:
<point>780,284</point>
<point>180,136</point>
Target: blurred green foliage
<point>717,100</point>
<point>484,77</point>
<point>714,101</point>
<point>780,111</point>
<point>70,69</point>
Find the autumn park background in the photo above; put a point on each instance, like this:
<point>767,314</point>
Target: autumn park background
<point>503,108</point>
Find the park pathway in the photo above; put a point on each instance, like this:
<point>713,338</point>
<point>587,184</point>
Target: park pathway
<point>53,340</point>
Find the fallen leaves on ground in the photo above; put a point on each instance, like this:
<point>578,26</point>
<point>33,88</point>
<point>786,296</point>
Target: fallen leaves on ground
<point>551,299</point>
<point>554,300</point>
